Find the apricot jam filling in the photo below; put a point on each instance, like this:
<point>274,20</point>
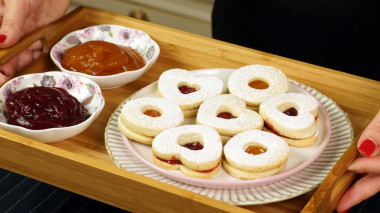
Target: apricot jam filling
<point>258,84</point>
<point>255,150</point>
<point>226,115</point>
<point>152,113</point>
<point>184,89</point>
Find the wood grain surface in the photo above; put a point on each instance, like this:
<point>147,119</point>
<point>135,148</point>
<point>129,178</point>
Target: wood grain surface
<point>81,164</point>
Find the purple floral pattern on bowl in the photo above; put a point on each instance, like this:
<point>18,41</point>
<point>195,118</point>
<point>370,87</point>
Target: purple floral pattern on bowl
<point>119,35</point>
<point>85,90</point>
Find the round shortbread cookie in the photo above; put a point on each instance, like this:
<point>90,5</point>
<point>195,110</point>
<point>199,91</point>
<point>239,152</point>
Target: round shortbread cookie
<point>239,83</point>
<point>212,110</point>
<point>133,135</point>
<point>250,175</point>
<point>293,115</point>
<point>135,123</point>
<point>268,162</point>
<point>173,145</point>
<point>172,80</point>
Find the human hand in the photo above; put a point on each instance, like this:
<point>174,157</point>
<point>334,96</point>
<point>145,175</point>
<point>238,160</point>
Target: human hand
<point>19,17</point>
<point>369,185</point>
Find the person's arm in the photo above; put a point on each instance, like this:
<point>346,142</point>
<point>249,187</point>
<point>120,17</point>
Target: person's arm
<point>19,17</point>
<point>369,163</point>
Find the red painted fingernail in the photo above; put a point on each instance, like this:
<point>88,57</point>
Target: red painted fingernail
<point>2,38</point>
<point>348,171</point>
<point>345,211</point>
<point>367,147</point>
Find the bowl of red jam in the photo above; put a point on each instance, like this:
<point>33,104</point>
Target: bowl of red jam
<point>49,107</point>
<point>110,55</point>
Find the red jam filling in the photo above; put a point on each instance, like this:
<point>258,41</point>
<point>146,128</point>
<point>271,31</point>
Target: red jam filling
<point>226,115</point>
<point>193,146</point>
<point>186,89</point>
<point>291,112</point>
<point>257,84</point>
<point>210,170</point>
<point>172,161</point>
<point>270,127</point>
<point>44,107</point>
<point>255,150</point>
<point>152,113</point>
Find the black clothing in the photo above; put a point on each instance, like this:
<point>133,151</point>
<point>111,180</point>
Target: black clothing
<point>342,35</point>
<point>20,194</point>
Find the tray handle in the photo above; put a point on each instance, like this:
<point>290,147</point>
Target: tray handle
<point>327,196</point>
<point>48,34</point>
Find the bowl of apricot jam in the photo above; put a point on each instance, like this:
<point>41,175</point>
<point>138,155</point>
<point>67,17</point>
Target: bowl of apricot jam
<point>110,55</point>
<point>50,106</point>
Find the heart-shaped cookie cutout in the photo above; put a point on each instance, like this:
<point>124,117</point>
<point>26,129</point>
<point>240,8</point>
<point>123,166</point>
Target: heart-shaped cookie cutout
<point>172,84</point>
<point>228,115</point>
<point>196,147</point>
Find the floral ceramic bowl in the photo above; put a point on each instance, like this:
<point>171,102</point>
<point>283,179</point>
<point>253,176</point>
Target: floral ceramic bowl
<point>123,36</point>
<point>85,90</point>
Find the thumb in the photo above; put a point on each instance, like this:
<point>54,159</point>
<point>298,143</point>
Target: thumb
<point>13,22</point>
<point>369,141</point>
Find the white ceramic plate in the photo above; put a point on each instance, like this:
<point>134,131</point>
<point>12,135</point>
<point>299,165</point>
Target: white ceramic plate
<point>306,168</point>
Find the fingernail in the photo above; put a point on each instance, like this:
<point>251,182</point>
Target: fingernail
<point>348,171</point>
<point>2,38</point>
<point>367,147</point>
<point>345,211</point>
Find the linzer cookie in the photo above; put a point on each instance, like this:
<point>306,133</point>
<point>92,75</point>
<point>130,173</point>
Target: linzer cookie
<point>255,154</point>
<point>228,115</point>
<point>256,83</point>
<point>187,90</point>
<point>293,116</point>
<point>195,150</point>
<point>143,118</point>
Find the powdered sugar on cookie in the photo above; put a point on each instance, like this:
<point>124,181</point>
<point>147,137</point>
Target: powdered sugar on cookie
<point>205,87</point>
<point>301,125</point>
<point>239,80</point>
<point>244,118</point>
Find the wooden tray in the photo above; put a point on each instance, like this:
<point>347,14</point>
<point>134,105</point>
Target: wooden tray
<point>82,165</point>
